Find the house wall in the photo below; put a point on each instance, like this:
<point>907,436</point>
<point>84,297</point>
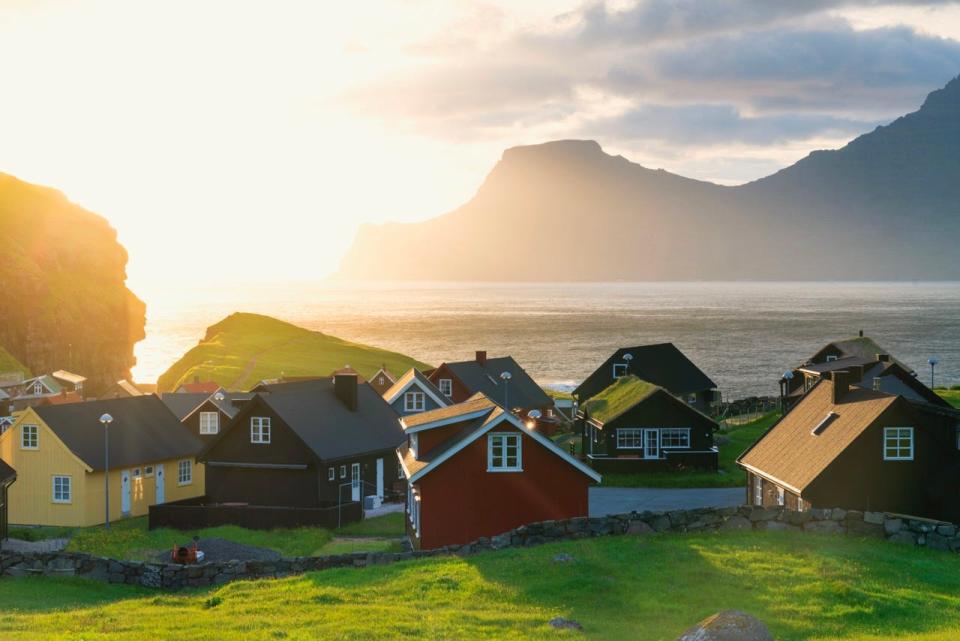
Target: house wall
<point>769,496</point>
<point>461,501</point>
<point>193,421</point>
<point>392,485</point>
<point>460,391</point>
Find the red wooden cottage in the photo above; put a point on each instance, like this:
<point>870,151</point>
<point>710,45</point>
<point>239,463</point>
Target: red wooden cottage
<point>474,470</point>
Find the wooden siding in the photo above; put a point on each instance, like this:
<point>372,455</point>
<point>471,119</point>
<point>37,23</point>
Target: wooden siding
<point>460,391</point>
<point>193,421</point>
<point>429,404</point>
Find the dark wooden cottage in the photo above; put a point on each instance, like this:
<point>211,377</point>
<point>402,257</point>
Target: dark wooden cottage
<point>217,410</point>
<point>661,364</point>
<point>382,380</point>
<point>7,476</point>
<point>307,444</point>
<point>636,426</point>
<point>475,470</point>
<point>858,448</point>
<point>414,393</point>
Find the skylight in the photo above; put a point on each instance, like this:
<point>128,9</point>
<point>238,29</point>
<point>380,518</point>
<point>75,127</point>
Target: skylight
<point>822,425</point>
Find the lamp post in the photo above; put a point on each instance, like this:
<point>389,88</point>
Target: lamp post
<point>105,420</point>
<point>505,377</point>
<point>933,361</point>
<point>784,390</point>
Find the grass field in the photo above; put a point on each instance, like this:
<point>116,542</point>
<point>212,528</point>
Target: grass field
<point>804,586</point>
<point>9,364</point>
<point>952,396</point>
<point>243,349</point>
<point>740,437</point>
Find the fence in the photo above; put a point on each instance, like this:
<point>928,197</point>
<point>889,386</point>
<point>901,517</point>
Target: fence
<point>197,513</point>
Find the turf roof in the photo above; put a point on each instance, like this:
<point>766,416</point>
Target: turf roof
<point>619,397</point>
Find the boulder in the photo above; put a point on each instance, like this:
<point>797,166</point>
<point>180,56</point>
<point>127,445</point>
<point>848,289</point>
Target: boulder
<point>565,624</point>
<point>639,527</point>
<point>729,625</point>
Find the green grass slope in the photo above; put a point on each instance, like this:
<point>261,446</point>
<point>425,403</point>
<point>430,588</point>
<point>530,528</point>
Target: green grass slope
<point>243,349</point>
<point>10,364</point>
<point>804,586</point>
<point>951,396</point>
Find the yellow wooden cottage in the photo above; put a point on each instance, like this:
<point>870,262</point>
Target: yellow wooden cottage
<point>59,454</point>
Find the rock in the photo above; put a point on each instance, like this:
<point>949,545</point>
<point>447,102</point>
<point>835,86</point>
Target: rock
<point>832,527</point>
<point>560,623</point>
<point>875,518</point>
<point>892,526</point>
<point>730,625</point>
<point>736,523</point>
<point>639,527</point>
<point>563,557</point>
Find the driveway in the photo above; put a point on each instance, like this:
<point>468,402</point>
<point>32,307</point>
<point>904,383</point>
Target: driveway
<point>619,500</point>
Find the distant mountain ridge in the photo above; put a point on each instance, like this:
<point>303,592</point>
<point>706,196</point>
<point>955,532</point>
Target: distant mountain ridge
<point>884,207</point>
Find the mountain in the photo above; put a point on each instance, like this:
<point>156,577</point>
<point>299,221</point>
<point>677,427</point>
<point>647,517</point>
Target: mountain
<point>885,206</point>
<point>243,349</point>
<point>65,301</point>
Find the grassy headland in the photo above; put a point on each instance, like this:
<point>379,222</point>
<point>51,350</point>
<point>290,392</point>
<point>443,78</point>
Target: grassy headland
<point>951,395</point>
<point>10,364</point>
<point>243,349</point>
<point>803,586</point>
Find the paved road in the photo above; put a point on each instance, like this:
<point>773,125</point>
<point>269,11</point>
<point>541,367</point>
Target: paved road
<point>618,500</point>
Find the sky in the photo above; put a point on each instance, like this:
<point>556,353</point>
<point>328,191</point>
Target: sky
<point>230,139</point>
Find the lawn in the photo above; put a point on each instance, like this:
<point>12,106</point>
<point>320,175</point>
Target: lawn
<point>740,437</point>
<point>951,395</point>
<point>243,349</point>
<point>804,586</point>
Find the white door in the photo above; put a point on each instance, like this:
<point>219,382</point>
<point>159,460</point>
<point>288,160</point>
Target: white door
<point>380,477</point>
<point>125,492</point>
<point>355,482</point>
<point>651,443</point>
<point>161,489</point>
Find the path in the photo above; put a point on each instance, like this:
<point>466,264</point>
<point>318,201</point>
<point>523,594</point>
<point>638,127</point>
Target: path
<point>619,500</point>
<point>47,545</point>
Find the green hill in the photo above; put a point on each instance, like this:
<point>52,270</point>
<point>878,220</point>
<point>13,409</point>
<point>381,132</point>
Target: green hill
<point>10,364</point>
<point>243,349</point>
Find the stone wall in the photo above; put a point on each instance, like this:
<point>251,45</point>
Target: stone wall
<point>900,529</point>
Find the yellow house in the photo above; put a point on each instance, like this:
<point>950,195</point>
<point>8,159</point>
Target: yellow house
<point>59,454</point>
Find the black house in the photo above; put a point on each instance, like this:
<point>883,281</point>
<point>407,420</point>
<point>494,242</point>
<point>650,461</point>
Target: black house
<point>305,444</point>
<point>663,365</point>
<point>7,476</point>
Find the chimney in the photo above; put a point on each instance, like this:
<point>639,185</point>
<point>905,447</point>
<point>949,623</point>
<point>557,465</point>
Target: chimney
<point>482,358</point>
<point>883,358</point>
<point>841,385</point>
<point>345,387</point>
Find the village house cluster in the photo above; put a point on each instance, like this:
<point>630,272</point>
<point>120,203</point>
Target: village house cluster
<point>472,448</point>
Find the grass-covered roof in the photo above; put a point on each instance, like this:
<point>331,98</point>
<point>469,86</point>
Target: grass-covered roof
<point>616,399</point>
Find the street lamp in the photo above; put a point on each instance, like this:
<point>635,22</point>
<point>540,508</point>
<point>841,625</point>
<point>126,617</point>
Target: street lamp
<point>505,377</point>
<point>105,420</point>
<point>934,361</point>
<point>534,416</point>
<point>784,390</point>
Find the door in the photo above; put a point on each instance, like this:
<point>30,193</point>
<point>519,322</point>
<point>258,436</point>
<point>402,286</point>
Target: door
<point>355,482</point>
<point>161,489</point>
<point>651,443</point>
<point>125,492</point>
<point>380,477</point>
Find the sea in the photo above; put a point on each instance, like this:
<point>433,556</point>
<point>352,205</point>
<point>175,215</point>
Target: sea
<point>744,335</point>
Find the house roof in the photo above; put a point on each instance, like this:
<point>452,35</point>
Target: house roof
<point>414,377</point>
<point>199,387</point>
<point>790,453</point>
<point>129,387</point>
<point>522,390</point>
<point>662,364</point>
<point>838,364</point>
<point>894,379</point>
<point>7,473</point>
<point>70,377</point>
<point>62,398</point>
<point>332,431</point>
<point>346,369</point>
<point>49,382</point>
<point>182,404</point>
<point>445,415</point>
<point>383,370</point>
<point>625,393</point>
<point>861,346</point>
<point>143,430</point>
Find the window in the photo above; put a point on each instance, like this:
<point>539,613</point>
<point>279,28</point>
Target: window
<point>381,381</point>
<point>779,496</point>
<point>400,474</point>
<point>675,437</point>
<point>148,471</point>
<point>343,471</point>
<point>29,437</point>
<point>136,472</point>
<point>209,422</point>
<point>757,490</point>
<point>184,473</point>
<point>503,453</point>
<point>446,386</point>
<point>415,445</point>
<point>692,399</point>
<point>630,438</point>
<point>801,506</point>
<point>62,490</point>
<point>37,388</point>
<point>259,429</point>
<point>831,358</point>
<point>898,443</point>
<point>619,369</point>
<point>413,402</point>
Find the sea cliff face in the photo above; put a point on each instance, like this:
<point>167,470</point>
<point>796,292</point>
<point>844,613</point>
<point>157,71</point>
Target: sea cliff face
<point>65,304</point>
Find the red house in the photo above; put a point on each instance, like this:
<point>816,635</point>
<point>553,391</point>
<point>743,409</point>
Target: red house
<point>474,470</point>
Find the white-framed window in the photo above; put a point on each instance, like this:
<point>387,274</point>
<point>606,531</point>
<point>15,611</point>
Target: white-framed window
<point>757,490</point>
<point>675,437</point>
<point>801,507</point>
<point>136,472</point>
<point>504,453</point>
<point>630,438</point>
<point>62,489</point>
<point>416,514</point>
<point>209,422</point>
<point>38,388</point>
<point>692,399</point>
<point>400,474</point>
<point>343,471</point>
<point>620,369</point>
<point>29,437</point>
<point>898,444</point>
<point>780,496</point>
<point>414,401</point>
<point>381,381</point>
<point>446,386</point>
<point>184,472</point>
<point>331,474</point>
<point>148,471</point>
<point>831,358</point>
<point>260,429</point>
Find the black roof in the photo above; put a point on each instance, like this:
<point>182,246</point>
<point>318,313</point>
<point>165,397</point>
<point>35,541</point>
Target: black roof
<point>661,364</point>
<point>7,473</point>
<point>324,423</point>
<point>182,404</point>
<point>522,390</point>
<point>143,430</point>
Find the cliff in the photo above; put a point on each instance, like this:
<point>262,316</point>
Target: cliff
<point>65,301</point>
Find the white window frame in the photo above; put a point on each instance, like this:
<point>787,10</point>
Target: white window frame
<point>35,433</point>
<point>331,474</point>
<point>38,389</point>
<point>630,438</point>
<point>148,471</point>
<point>65,481</point>
<point>343,471</point>
<point>681,432</point>
<point>780,496</point>
<point>136,473</point>
<point>381,380</point>
<point>831,358</point>
<point>205,427</point>
<point>757,490</point>
<point>897,434</point>
<point>623,369</point>
<point>185,465</point>
<point>445,385</point>
<point>502,441</point>
<point>418,404</point>
<point>260,430</point>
